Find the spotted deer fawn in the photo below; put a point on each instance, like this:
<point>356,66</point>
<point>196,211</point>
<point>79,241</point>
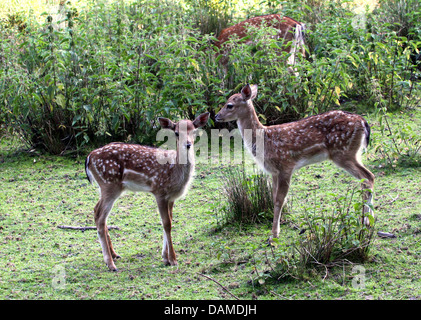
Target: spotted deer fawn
<point>335,135</point>
<point>288,30</point>
<point>119,167</point>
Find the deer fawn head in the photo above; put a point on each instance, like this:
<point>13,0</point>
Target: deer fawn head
<point>185,132</point>
<point>238,105</point>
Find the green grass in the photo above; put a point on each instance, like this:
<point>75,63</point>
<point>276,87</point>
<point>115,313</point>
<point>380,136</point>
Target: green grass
<point>40,192</point>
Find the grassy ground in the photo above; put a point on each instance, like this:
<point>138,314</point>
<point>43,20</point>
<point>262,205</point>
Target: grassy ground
<point>38,260</point>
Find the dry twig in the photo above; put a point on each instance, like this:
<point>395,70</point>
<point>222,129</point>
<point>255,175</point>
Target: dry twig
<point>219,285</point>
<point>85,228</point>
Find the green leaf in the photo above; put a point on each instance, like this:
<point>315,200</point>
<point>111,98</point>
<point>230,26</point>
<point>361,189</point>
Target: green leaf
<point>61,100</point>
<point>194,64</point>
<point>338,91</point>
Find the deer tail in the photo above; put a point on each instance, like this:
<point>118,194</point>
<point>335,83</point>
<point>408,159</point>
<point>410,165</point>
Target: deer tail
<point>88,172</point>
<point>367,131</point>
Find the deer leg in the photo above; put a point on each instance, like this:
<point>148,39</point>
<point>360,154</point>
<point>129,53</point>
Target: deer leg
<point>356,169</point>
<point>274,187</point>
<point>164,252</point>
<point>165,239</point>
<point>165,211</point>
<point>280,193</point>
<point>102,209</point>
<point>170,206</point>
<point>114,254</point>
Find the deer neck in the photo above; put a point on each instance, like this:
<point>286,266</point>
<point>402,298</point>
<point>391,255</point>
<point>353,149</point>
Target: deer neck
<point>250,126</point>
<point>180,162</point>
<point>184,162</point>
<point>249,120</point>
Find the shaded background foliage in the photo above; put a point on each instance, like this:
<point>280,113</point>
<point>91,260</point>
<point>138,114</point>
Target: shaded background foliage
<point>104,71</point>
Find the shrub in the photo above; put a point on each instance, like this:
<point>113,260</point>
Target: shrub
<point>106,76</point>
<point>211,16</point>
<point>401,16</point>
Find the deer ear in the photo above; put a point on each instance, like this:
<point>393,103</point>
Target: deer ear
<point>201,120</point>
<point>166,123</point>
<point>253,91</point>
<point>249,92</point>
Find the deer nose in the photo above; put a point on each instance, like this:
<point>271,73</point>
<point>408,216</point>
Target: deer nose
<point>217,117</point>
<point>188,145</point>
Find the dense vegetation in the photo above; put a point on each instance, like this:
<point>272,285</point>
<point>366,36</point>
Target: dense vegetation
<point>100,71</point>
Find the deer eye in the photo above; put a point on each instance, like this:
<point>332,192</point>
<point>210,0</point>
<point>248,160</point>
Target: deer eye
<point>229,106</point>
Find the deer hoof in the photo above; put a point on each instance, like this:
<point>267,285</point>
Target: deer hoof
<point>170,263</point>
<point>112,267</point>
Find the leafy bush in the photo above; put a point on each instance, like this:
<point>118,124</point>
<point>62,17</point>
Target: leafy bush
<point>401,16</point>
<point>106,76</point>
<point>211,16</point>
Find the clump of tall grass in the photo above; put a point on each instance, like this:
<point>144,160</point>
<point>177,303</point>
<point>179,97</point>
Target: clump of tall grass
<point>332,235</point>
<point>249,196</point>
